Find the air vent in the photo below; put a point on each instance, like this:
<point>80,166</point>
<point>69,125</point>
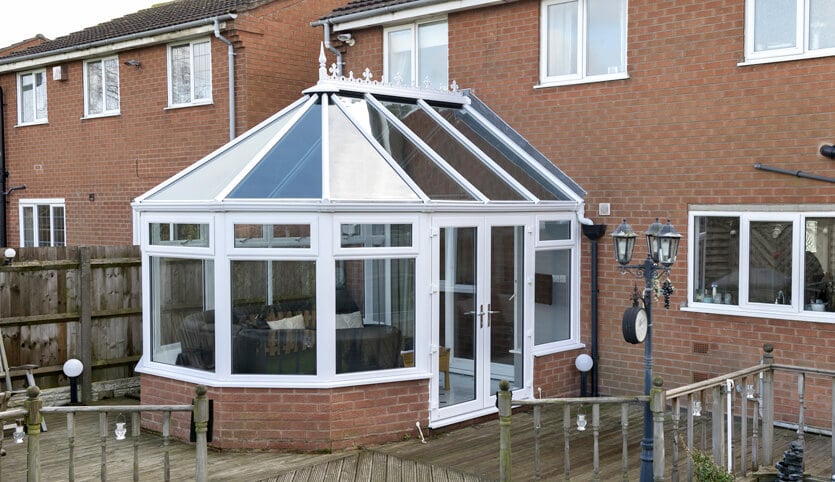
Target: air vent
<point>700,347</point>
<point>604,209</point>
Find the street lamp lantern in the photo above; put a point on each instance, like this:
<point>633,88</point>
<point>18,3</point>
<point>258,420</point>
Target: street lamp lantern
<point>662,250</point>
<point>624,238</point>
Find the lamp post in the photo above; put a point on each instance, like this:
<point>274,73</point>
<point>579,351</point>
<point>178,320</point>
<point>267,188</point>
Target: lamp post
<point>662,248</point>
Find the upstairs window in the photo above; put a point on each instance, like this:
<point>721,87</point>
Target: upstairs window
<point>101,87</point>
<point>582,41</point>
<point>417,54</point>
<point>31,95</point>
<point>42,223</point>
<point>190,73</point>
<point>788,29</point>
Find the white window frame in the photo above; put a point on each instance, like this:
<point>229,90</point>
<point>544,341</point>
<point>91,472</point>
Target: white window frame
<point>747,214</point>
<point>87,93</point>
<point>35,119</point>
<point>388,75</point>
<point>192,100</point>
<point>580,77</point>
<point>800,50</point>
<point>34,204</point>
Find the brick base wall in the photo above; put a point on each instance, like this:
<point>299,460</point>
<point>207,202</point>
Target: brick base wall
<point>296,419</point>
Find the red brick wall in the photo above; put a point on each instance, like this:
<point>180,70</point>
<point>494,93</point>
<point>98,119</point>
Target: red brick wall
<point>297,419</point>
<point>118,158</point>
<point>685,128</point>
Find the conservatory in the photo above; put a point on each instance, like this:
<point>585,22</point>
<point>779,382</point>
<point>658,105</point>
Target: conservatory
<point>370,257</point>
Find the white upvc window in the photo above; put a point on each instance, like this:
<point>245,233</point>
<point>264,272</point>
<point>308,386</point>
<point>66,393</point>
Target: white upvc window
<point>31,97</point>
<point>42,222</point>
<point>190,73</point>
<point>417,54</point>
<point>789,29</point>
<point>101,87</point>
<point>582,41</point>
<point>766,263</point>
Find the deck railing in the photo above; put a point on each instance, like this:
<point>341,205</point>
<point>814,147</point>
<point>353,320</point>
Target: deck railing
<point>33,411</point>
<point>735,409</point>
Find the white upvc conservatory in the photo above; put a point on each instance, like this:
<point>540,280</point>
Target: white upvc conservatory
<point>365,234</point>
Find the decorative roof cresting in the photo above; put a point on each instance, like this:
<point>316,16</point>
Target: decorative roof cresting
<point>331,74</point>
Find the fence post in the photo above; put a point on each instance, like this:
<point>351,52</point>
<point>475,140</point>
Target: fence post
<point>505,410</point>
<point>85,333</point>
<point>33,405</point>
<point>657,401</point>
<point>201,424</point>
<point>768,405</point>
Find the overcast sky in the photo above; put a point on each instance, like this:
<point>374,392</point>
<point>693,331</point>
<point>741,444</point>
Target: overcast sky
<point>54,18</point>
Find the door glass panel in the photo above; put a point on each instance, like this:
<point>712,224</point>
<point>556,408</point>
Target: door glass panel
<point>458,315</point>
<point>504,313</point>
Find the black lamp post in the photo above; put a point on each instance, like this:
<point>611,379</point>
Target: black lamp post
<point>662,247</point>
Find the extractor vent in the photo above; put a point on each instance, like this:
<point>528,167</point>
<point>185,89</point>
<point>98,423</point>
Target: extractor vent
<point>700,347</point>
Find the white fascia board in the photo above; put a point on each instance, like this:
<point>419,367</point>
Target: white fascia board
<point>107,49</point>
<point>411,14</point>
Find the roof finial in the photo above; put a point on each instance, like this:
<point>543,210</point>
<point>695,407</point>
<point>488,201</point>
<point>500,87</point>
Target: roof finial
<point>323,71</point>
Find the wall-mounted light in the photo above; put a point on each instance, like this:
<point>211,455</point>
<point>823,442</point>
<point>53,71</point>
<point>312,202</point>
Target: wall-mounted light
<point>133,63</point>
<point>9,255</point>
<point>828,151</point>
<point>346,38</point>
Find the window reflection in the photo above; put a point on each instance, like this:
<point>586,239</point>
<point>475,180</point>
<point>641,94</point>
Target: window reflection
<point>716,259</point>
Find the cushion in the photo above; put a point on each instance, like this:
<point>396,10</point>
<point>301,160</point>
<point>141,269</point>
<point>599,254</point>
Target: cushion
<point>291,323</point>
<point>349,320</point>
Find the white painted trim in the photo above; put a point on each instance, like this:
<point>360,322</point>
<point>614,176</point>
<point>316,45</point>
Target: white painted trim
<point>105,50</point>
<point>86,83</point>
<point>410,14</point>
<point>191,44</point>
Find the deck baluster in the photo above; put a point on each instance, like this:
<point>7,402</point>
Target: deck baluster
<point>595,428</point>
<point>832,402</point>
<point>33,405</point>
<point>718,431</point>
<point>134,432</point>
<point>801,423</point>
<point>166,456</point>
<point>71,445</point>
<point>566,425</point>
<point>537,428</point>
<point>690,401</point>
<point>103,444</point>
<point>743,430</point>
<point>676,418</point>
<point>755,434</point>
<point>768,406</point>
<point>624,426</point>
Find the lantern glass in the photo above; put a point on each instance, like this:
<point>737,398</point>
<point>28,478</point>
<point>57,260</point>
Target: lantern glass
<point>668,240</point>
<point>624,239</point>
<point>652,239</point>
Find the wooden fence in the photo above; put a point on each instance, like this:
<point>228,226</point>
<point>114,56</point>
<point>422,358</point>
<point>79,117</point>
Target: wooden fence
<point>73,302</point>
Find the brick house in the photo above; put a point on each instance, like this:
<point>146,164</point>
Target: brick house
<point>712,114</point>
<point>94,118</point>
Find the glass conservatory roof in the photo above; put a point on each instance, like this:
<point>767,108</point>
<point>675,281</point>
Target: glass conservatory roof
<point>352,140</point>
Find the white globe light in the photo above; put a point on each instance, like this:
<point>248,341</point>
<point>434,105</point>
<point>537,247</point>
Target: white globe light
<point>73,367</point>
<point>9,253</point>
<point>583,362</point>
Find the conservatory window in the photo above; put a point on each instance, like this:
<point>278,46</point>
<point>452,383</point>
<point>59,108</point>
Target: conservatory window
<point>183,315</point>
<point>273,317</point>
<point>272,236</point>
<point>180,234</point>
<point>375,313</point>
<point>376,235</point>
<point>552,296</point>
<point>779,262</point>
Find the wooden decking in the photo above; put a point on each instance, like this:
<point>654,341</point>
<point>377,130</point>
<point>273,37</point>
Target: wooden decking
<point>464,454</point>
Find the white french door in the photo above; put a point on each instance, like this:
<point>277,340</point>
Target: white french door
<point>478,311</point>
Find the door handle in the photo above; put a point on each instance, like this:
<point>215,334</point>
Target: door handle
<point>490,313</point>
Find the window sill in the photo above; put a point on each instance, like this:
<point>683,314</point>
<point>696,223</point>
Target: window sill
<point>734,310</point>
<point>99,116</point>
<point>556,347</point>
<point>185,106</point>
<point>585,80</point>
<point>787,58</point>
<point>37,123</point>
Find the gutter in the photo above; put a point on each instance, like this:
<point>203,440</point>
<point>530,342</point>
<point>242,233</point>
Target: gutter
<point>326,26</point>
<point>392,9</point>
<point>231,54</point>
<point>124,38</point>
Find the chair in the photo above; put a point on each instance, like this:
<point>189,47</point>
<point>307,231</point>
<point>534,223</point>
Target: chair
<point>5,372</point>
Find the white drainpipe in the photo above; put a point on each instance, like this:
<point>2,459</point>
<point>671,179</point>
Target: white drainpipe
<point>231,50</point>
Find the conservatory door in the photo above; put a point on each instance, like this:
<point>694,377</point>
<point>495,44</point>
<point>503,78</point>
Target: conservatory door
<point>477,314</point>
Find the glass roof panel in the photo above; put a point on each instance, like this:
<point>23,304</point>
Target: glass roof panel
<point>431,179</point>
<point>453,152</point>
<point>485,139</point>
<point>207,180</point>
<point>292,169</point>
<point>357,170</point>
